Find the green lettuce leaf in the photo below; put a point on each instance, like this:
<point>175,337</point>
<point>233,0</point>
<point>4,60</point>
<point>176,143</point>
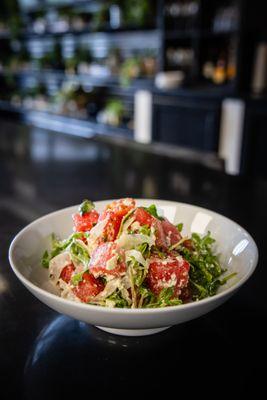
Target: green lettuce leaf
<point>118,300</point>
<point>180,226</point>
<point>152,210</point>
<point>144,250</point>
<point>77,278</point>
<point>45,259</point>
<point>58,246</point>
<point>164,299</point>
<point>78,253</point>
<point>86,207</point>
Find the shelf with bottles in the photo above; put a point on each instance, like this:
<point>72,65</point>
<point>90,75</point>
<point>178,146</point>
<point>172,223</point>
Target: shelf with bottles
<point>4,32</point>
<point>181,15</point>
<point>14,57</point>
<point>11,22</point>
<point>94,34</point>
<point>113,68</point>
<point>114,83</point>
<point>219,62</point>
<point>180,56</point>
<point>177,34</point>
<point>109,16</point>
<point>33,6</point>
<point>220,17</point>
<point>64,124</point>
<point>4,36</point>
<point>72,100</point>
<point>198,33</point>
<point>207,34</point>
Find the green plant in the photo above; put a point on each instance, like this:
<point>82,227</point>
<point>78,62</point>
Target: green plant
<point>101,17</point>
<point>130,69</point>
<point>114,112</point>
<point>10,9</point>
<point>52,59</point>
<point>82,55</point>
<point>113,60</point>
<point>115,106</point>
<point>137,12</point>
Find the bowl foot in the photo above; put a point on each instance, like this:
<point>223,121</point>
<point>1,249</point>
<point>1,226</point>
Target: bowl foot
<point>133,332</point>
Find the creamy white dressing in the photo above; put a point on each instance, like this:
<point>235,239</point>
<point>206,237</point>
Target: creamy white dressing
<point>112,263</point>
<point>125,280</point>
<point>110,288</point>
<point>135,226</point>
<point>127,224</point>
<point>137,255</point>
<point>57,264</point>
<point>66,291</point>
<point>110,303</point>
<point>82,244</point>
<point>95,233</point>
<point>131,241</point>
<point>168,283</point>
<point>125,294</point>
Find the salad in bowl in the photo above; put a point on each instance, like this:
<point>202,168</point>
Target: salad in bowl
<point>130,256</point>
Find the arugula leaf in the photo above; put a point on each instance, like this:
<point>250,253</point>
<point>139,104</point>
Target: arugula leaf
<point>146,297</point>
<point>79,253</point>
<point>200,292</point>
<point>226,278</point>
<point>152,210</point>
<point>214,286</point>
<point>118,300</point>
<point>138,272</point>
<point>86,207</point>
<point>77,278</point>
<point>124,219</point>
<point>164,299</point>
<point>45,259</point>
<point>58,246</point>
<point>145,230</point>
<point>140,275</point>
<point>144,250</point>
<point>180,226</point>
<point>158,252</point>
<point>205,268</point>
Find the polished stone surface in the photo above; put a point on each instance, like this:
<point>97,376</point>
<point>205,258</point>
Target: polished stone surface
<point>44,355</point>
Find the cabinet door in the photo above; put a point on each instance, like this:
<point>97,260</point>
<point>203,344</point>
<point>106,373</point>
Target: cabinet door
<point>186,122</point>
<point>253,160</point>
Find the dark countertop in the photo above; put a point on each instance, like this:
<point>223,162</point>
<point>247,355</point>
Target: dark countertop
<point>44,355</point>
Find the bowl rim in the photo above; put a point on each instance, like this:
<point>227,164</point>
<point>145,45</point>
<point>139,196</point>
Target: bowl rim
<point>90,307</point>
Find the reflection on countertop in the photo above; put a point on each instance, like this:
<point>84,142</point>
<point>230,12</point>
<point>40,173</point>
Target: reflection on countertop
<point>69,356</point>
<point>47,356</point>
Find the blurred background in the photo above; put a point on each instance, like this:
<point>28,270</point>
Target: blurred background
<point>185,73</point>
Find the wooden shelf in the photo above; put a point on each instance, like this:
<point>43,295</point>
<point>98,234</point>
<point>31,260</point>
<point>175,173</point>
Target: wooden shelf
<point>64,124</point>
<point>96,33</point>
<point>180,34</point>
<point>5,35</point>
<point>44,5</point>
<point>109,82</point>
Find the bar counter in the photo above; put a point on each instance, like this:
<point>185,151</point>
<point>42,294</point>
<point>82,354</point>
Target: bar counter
<point>44,355</point>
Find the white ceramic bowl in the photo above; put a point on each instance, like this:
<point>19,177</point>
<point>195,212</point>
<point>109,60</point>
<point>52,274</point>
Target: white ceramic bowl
<point>238,253</point>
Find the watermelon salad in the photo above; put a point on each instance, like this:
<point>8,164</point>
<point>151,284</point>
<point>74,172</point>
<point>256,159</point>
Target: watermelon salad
<point>129,256</point>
